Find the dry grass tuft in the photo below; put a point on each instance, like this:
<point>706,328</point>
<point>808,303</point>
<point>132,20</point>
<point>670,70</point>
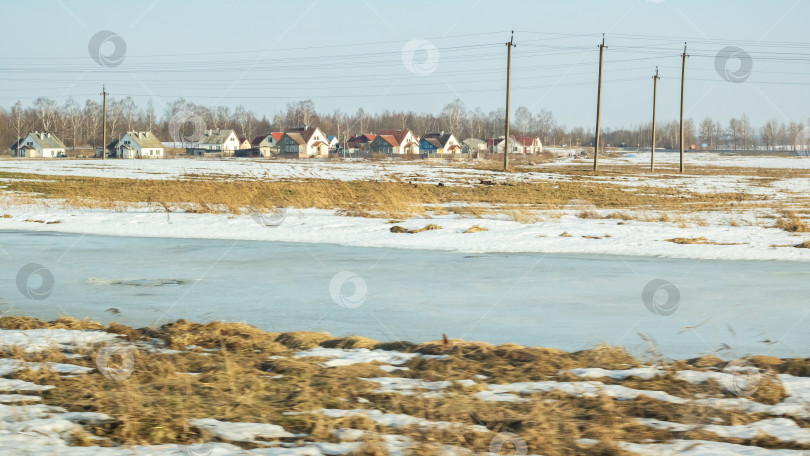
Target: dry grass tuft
<point>428,227</point>
<point>791,222</point>
<point>697,240</point>
<point>475,229</point>
<point>803,245</point>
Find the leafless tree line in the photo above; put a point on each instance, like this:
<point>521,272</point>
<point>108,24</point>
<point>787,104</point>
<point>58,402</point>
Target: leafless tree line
<point>80,125</point>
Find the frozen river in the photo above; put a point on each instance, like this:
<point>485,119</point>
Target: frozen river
<point>567,301</point>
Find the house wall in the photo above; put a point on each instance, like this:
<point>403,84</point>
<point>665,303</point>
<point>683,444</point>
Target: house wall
<point>38,151</point>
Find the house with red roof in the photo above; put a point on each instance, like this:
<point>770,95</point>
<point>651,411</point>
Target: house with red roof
<point>304,142</point>
<point>395,142</point>
<point>359,143</point>
<point>529,144</point>
<point>266,145</point>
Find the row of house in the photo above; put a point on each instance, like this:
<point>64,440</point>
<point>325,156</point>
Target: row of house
<point>302,142</point>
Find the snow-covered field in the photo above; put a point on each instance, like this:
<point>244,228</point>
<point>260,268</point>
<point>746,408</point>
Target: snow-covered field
<point>29,426</point>
<point>560,232</point>
<point>743,230</point>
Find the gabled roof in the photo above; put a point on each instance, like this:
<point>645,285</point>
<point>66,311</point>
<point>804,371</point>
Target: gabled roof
<point>497,141</point>
<point>526,140</point>
<point>364,138</point>
<point>390,139</point>
<point>257,140</point>
<point>277,135</point>
<point>241,140</point>
<point>439,140</point>
<point>330,138</point>
<point>16,144</point>
<point>47,140</point>
<point>145,139</point>
<point>306,132</point>
<point>399,135</point>
<point>215,136</point>
<point>112,144</point>
<point>297,138</point>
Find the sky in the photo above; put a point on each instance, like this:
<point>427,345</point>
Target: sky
<point>419,55</point>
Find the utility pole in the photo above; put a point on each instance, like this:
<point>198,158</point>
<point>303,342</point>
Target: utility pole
<point>652,149</point>
<point>683,78</point>
<point>598,107</point>
<point>509,47</point>
<point>104,122</point>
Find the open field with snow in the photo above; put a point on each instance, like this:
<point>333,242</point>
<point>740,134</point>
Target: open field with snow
<point>385,383</point>
<point>78,387</point>
<point>725,206</point>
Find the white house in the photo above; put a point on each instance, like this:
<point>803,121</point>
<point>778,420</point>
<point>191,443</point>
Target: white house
<point>216,142</point>
<point>395,142</point>
<point>304,142</point>
<point>39,145</point>
<point>139,144</point>
<point>439,143</point>
<point>529,144</point>
<point>473,146</point>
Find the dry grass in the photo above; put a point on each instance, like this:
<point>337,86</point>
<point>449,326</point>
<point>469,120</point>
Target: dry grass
<point>236,381</point>
<point>428,227</point>
<point>701,240</point>
<point>475,229</point>
<point>399,200</point>
<point>790,221</point>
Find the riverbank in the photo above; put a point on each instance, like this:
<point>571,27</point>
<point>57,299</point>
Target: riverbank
<point>79,387</point>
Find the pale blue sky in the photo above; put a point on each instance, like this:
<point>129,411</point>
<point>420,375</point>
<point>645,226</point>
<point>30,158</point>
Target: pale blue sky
<point>348,54</point>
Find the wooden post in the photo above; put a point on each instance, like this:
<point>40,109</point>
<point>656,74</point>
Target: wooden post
<point>509,47</point>
<point>598,107</point>
<point>652,148</point>
<point>683,78</point>
<point>104,122</point>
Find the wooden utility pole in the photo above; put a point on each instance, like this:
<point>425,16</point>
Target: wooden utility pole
<point>683,79</point>
<point>104,122</point>
<point>652,149</point>
<point>598,107</point>
<point>509,47</point>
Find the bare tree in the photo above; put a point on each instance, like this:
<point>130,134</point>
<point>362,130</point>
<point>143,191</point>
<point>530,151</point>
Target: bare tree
<point>452,116</point>
<point>73,116</point>
<point>523,120</point>
<point>770,133</point>
<point>45,108</point>
<point>16,121</point>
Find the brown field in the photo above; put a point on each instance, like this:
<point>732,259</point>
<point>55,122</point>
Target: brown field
<point>362,198</point>
<point>235,380</point>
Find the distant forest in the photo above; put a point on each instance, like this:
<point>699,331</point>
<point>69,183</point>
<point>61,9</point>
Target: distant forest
<point>79,125</point>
